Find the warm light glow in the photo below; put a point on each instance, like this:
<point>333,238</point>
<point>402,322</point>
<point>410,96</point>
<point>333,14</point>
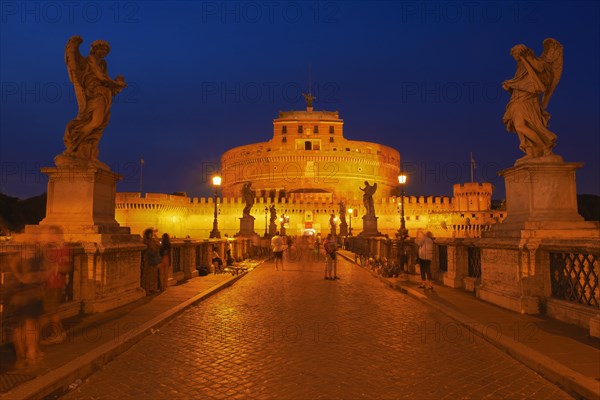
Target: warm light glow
<point>216,180</point>
<point>402,179</point>
<point>350,210</point>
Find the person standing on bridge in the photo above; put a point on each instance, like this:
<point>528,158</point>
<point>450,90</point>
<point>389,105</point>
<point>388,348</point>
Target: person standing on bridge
<point>277,245</point>
<point>330,247</point>
<point>425,243</point>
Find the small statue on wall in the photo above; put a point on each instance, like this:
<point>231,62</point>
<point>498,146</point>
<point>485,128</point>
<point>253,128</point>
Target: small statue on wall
<point>368,191</point>
<point>248,195</point>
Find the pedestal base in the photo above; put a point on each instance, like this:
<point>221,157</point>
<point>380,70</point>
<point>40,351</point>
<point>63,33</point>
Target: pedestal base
<point>370,226</point>
<point>246,226</point>
<point>272,229</point>
<point>542,189</point>
<point>343,229</point>
<point>541,202</point>
<point>79,196</point>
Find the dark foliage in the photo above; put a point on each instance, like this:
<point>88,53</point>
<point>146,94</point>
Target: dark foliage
<point>16,213</point>
<point>588,206</point>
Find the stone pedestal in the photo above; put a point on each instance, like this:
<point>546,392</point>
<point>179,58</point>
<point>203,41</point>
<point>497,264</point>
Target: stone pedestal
<point>343,229</point>
<point>272,228</point>
<point>370,226</point>
<point>540,195</point>
<point>541,203</point>
<point>79,196</point>
<point>81,209</point>
<point>246,226</point>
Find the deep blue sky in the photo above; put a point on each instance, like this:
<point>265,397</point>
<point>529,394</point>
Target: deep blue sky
<point>207,76</point>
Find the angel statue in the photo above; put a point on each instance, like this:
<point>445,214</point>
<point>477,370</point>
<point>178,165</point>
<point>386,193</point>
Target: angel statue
<point>525,112</point>
<point>94,90</point>
<point>368,192</point>
<point>342,212</point>
<point>248,195</point>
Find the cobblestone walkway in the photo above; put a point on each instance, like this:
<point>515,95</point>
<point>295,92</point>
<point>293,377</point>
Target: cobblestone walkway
<point>293,335</point>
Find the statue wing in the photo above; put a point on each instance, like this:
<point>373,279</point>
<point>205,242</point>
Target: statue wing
<point>75,66</point>
<point>553,56</point>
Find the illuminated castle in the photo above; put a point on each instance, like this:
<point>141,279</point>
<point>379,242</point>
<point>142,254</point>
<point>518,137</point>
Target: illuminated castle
<point>309,157</point>
<point>305,170</point>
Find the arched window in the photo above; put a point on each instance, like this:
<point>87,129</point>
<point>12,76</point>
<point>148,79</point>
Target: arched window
<point>307,145</point>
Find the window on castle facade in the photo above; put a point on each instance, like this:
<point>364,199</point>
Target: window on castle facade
<point>316,129</point>
<point>331,130</point>
<point>331,141</point>
<point>283,129</point>
<point>284,140</point>
<point>299,128</point>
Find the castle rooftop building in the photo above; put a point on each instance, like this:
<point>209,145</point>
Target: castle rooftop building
<point>309,157</point>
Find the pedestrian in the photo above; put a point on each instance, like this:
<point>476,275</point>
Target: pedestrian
<point>288,241</point>
<point>58,268</point>
<point>228,259</point>
<point>330,248</point>
<point>425,243</point>
<point>165,264</point>
<point>217,261</point>
<point>26,305</point>
<point>151,261</point>
<point>277,245</point>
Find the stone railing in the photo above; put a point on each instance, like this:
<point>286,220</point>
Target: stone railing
<point>105,277</point>
<point>388,257</point>
<point>556,278</point>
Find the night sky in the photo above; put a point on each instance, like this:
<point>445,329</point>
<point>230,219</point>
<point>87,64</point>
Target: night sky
<point>206,76</point>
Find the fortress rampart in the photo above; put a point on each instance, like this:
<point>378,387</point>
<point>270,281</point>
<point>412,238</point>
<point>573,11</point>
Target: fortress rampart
<point>184,216</point>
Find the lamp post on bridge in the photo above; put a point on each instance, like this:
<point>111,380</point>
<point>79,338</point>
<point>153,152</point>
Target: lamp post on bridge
<point>266,212</point>
<point>402,232</point>
<point>215,231</point>
<point>350,211</point>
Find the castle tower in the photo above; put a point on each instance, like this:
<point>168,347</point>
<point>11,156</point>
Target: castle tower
<point>472,196</point>
<point>309,158</point>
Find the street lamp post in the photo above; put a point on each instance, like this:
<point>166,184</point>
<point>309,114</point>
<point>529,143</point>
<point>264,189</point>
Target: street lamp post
<point>215,231</point>
<point>282,222</point>
<point>266,212</point>
<point>402,232</point>
<point>350,211</point>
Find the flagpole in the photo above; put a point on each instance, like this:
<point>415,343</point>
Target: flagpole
<point>141,174</point>
<point>472,167</point>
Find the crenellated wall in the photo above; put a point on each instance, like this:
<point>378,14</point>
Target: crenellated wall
<point>182,216</point>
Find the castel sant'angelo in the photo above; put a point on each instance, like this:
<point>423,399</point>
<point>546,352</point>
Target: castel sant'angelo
<point>306,170</point>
